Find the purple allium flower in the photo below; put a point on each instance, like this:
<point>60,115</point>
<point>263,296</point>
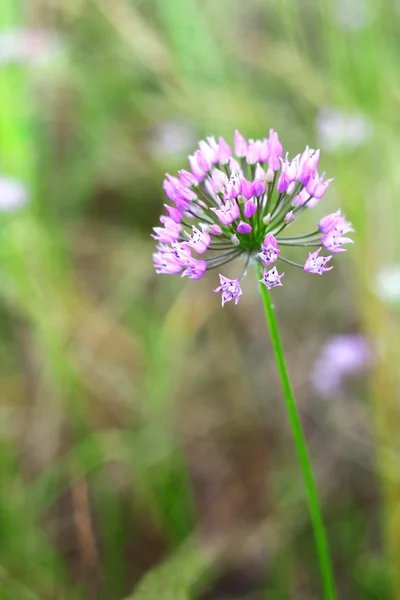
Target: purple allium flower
<point>198,173</point>
<point>342,355</point>
<point>284,179</point>
<point>240,145</point>
<point>252,153</point>
<point>308,163</point>
<point>327,223</point>
<point>316,186</point>
<point>215,229</point>
<point>246,188</point>
<point>258,187</point>
<point>316,264</point>
<point>244,227</point>
<point>270,250</point>
<point>204,157</point>
<point>233,187</point>
<point>199,240</point>
<point>165,262</point>
<point>290,217</point>
<point>275,151</point>
<point>224,151</point>
<point>169,233</point>
<point>227,212</point>
<point>334,227</point>
<point>237,204</point>
<point>260,173</point>
<point>271,278</point>
<point>195,269</point>
<point>249,209</point>
<point>263,152</point>
<point>186,178</point>
<point>301,199</point>
<point>174,213</point>
<point>230,289</point>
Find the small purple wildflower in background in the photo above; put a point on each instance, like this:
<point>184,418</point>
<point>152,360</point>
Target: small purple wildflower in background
<point>13,194</point>
<point>236,203</point>
<point>338,130</point>
<point>354,14</point>
<point>342,356</point>
<point>34,46</point>
<point>387,284</point>
<point>172,138</point>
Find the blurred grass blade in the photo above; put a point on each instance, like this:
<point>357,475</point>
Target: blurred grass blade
<point>194,48</point>
<point>176,577</point>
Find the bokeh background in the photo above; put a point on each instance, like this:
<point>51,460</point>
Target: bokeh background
<point>144,446</point>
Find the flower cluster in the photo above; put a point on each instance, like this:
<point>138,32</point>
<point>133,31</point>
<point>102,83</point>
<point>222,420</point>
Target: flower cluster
<point>234,203</point>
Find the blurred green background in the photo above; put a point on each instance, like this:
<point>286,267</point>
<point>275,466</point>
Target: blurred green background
<point>144,446</point>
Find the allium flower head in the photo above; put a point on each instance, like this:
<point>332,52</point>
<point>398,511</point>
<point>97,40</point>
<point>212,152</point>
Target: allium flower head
<point>236,202</point>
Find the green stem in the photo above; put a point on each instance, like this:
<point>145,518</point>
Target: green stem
<point>301,447</point>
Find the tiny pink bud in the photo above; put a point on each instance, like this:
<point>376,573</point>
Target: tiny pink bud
<point>267,219</point>
<point>187,178</point>
<point>249,209</point>
<point>290,217</point>
<point>258,187</point>
<point>260,173</point>
<point>203,160</point>
<point>240,145</point>
<point>291,188</point>
<point>245,188</point>
<point>269,177</point>
<point>234,167</point>
<point>252,153</point>
<point>215,230</point>
<point>224,152</point>
<point>263,151</point>
<point>244,227</point>
<point>174,213</point>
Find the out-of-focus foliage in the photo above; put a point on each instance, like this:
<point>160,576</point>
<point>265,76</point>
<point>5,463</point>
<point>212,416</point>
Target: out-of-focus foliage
<point>140,422</point>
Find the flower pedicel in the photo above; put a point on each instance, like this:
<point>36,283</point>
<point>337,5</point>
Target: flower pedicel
<point>239,202</point>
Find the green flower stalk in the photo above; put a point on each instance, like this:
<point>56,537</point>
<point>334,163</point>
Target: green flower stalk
<point>237,203</point>
<point>301,448</point>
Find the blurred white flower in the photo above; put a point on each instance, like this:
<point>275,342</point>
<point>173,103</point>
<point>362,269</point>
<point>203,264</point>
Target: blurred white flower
<point>13,194</point>
<point>388,284</point>
<point>354,14</point>
<point>37,47</point>
<point>337,130</point>
<point>175,137</point>
<point>342,356</point>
